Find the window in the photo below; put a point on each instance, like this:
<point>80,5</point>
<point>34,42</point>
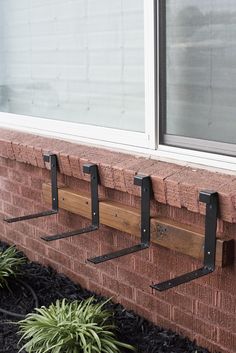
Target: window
<point>75,67</point>
<point>198,74</point>
<point>150,76</point>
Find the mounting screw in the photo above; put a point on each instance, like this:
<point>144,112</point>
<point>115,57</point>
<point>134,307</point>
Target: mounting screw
<point>94,213</point>
<point>144,230</point>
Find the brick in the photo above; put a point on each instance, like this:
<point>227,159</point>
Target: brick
<point>59,257</point>
<point>25,228</point>
<point>5,195</point>
<point>123,175</point>
<point>121,289</point>
<point>107,239</point>
<point>140,310</point>
<point>31,194</point>
<point>170,325</point>
<point>124,240</point>
<point>14,236</point>
<point>11,210</point>
<point>204,294</point>
<point>6,149</point>
<point>227,339</point>
<point>19,177</point>
<point>130,171</point>
<point>183,187</point>
<point>6,162</point>
<point>36,246</point>
<point>147,269</point>
<point>153,304</point>
<point>65,164</point>
<point>132,279</point>
<point>87,270</point>
<point>99,289</point>
<point>36,183</point>
<point>194,324</point>
<point>227,302</point>
<point>159,172</point>
<point>38,155</point>
<point>3,172</point>
<point>19,153</point>
<point>28,252</point>
<point>72,251</point>
<point>119,178</point>
<point>78,184</point>
<point>212,346</point>
<point>31,158</point>
<point>87,242</point>
<point>76,277</point>
<point>28,169</point>
<point>108,162</point>
<point>221,279</point>
<point>10,186</point>
<point>184,302</point>
<point>217,317</point>
<point>168,260</point>
<point>110,269</point>
<point>49,262</point>
<point>122,197</point>
<point>75,166</point>
<point>126,262</point>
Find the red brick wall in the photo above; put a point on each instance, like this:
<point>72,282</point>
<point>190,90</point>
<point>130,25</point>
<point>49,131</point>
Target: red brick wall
<point>204,310</point>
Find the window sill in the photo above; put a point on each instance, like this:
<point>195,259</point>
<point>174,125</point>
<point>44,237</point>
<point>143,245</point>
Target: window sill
<point>174,185</point>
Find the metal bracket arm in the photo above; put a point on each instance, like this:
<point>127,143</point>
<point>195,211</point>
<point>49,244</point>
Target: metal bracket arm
<point>52,159</point>
<point>212,206</point>
<point>145,183</point>
<point>91,169</point>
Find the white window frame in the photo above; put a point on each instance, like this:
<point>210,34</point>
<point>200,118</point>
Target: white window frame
<point>146,143</point>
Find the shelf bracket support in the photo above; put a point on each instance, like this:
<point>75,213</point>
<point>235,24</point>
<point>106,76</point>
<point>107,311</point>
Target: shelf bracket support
<point>145,183</point>
<point>91,169</point>
<point>212,207</point>
<point>52,159</point>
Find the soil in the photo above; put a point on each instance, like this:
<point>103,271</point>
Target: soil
<point>50,286</point>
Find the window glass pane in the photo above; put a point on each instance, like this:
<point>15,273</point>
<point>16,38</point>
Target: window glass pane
<point>74,60</point>
<point>201,69</point>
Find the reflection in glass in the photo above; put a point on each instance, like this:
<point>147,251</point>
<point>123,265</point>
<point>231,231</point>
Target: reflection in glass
<point>78,61</point>
<point>201,69</point>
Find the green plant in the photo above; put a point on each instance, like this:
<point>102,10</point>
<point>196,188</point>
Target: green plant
<point>9,264</point>
<point>70,327</point>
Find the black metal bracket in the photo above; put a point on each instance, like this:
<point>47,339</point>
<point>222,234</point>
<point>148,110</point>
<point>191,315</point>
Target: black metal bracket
<point>212,207</point>
<point>91,169</point>
<point>52,159</point>
<point>145,183</point>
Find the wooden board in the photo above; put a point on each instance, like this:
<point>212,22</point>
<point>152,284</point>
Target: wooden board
<point>164,232</point>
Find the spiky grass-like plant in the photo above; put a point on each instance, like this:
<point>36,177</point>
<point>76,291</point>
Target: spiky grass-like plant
<point>10,261</point>
<point>70,327</point>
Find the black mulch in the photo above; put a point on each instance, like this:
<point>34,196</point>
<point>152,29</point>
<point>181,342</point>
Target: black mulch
<point>51,286</point>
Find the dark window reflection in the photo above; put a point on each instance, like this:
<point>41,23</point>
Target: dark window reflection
<point>201,69</point>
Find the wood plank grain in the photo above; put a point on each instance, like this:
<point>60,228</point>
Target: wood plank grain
<point>166,233</point>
